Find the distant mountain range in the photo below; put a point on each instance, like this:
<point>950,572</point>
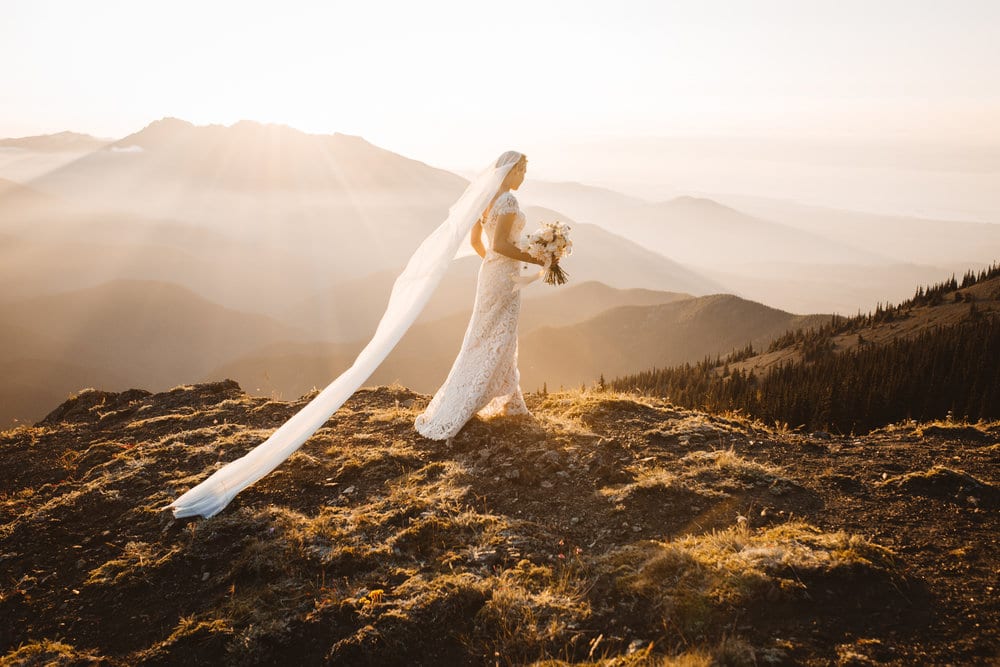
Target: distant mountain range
<point>174,154</point>
<point>342,205</point>
<point>81,246</point>
<point>182,252</point>
<point>152,334</point>
<point>314,195</point>
<point>61,142</point>
<point>352,308</point>
<point>903,239</point>
<point>134,333</point>
<point>621,337</point>
<point>632,338</point>
<point>331,285</point>
<point>122,334</point>
<point>697,230</point>
<point>798,258</point>
<point>307,195</point>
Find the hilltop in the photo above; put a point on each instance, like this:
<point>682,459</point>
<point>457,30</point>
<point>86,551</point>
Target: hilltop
<point>923,313</point>
<point>933,356</point>
<point>606,528</point>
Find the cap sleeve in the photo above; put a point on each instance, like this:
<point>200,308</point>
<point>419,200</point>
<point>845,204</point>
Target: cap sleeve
<point>505,203</point>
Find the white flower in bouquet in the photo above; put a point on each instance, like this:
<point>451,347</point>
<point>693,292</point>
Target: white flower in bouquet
<point>550,244</point>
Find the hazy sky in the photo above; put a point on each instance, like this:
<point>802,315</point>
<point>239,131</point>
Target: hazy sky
<point>455,83</point>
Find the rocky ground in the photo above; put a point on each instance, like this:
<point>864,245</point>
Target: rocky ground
<point>605,529</point>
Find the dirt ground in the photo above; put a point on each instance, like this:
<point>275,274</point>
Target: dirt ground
<point>604,529</point>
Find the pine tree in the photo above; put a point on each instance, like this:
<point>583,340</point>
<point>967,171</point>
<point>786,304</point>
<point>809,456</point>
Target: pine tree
<point>922,377</point>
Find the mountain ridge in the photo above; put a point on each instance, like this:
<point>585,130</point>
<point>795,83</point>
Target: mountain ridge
<point>64,141</point>
<point>569,355</point>
<point>933,356</point>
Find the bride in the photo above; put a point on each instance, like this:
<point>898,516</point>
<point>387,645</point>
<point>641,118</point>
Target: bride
<point>486,367</point>
<point>484,378</point>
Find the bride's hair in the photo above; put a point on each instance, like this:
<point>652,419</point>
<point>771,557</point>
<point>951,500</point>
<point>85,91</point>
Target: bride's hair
<point>510,157</point>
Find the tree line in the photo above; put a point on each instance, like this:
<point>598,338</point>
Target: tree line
<point>945,370</point>
<point>815,340</point>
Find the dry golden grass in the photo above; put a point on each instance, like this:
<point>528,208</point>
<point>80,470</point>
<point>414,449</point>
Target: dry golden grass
<point>950,429</point>
<point>706,473</point>
<point>48,652</point>
<point>690,583</point>
<point>945,428</point>
<point>532,609</point>
<point>372,544</point>
<point>396,413</point>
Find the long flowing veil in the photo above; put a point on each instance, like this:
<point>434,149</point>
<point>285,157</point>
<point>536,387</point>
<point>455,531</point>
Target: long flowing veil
<point>410,293</point>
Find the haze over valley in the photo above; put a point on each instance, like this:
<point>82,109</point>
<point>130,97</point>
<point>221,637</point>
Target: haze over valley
<point>143,261</point>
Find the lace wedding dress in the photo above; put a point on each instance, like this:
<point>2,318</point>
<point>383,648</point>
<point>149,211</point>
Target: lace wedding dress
<point>484,379</point>
<point>410,293</point>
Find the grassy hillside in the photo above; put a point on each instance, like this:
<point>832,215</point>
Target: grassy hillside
<point>631,338</point>
<point>604,529</point>
<point>934,356</point>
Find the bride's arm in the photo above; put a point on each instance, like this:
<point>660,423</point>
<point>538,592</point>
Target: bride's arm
<point>502,244</point>
<point>477,238</point>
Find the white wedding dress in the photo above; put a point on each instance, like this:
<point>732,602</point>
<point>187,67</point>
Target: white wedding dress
<point>410,293</point>
<point>484,379</point>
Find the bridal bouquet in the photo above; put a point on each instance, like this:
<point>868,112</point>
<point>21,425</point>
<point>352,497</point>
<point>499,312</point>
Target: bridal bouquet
<point>550,244</point>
